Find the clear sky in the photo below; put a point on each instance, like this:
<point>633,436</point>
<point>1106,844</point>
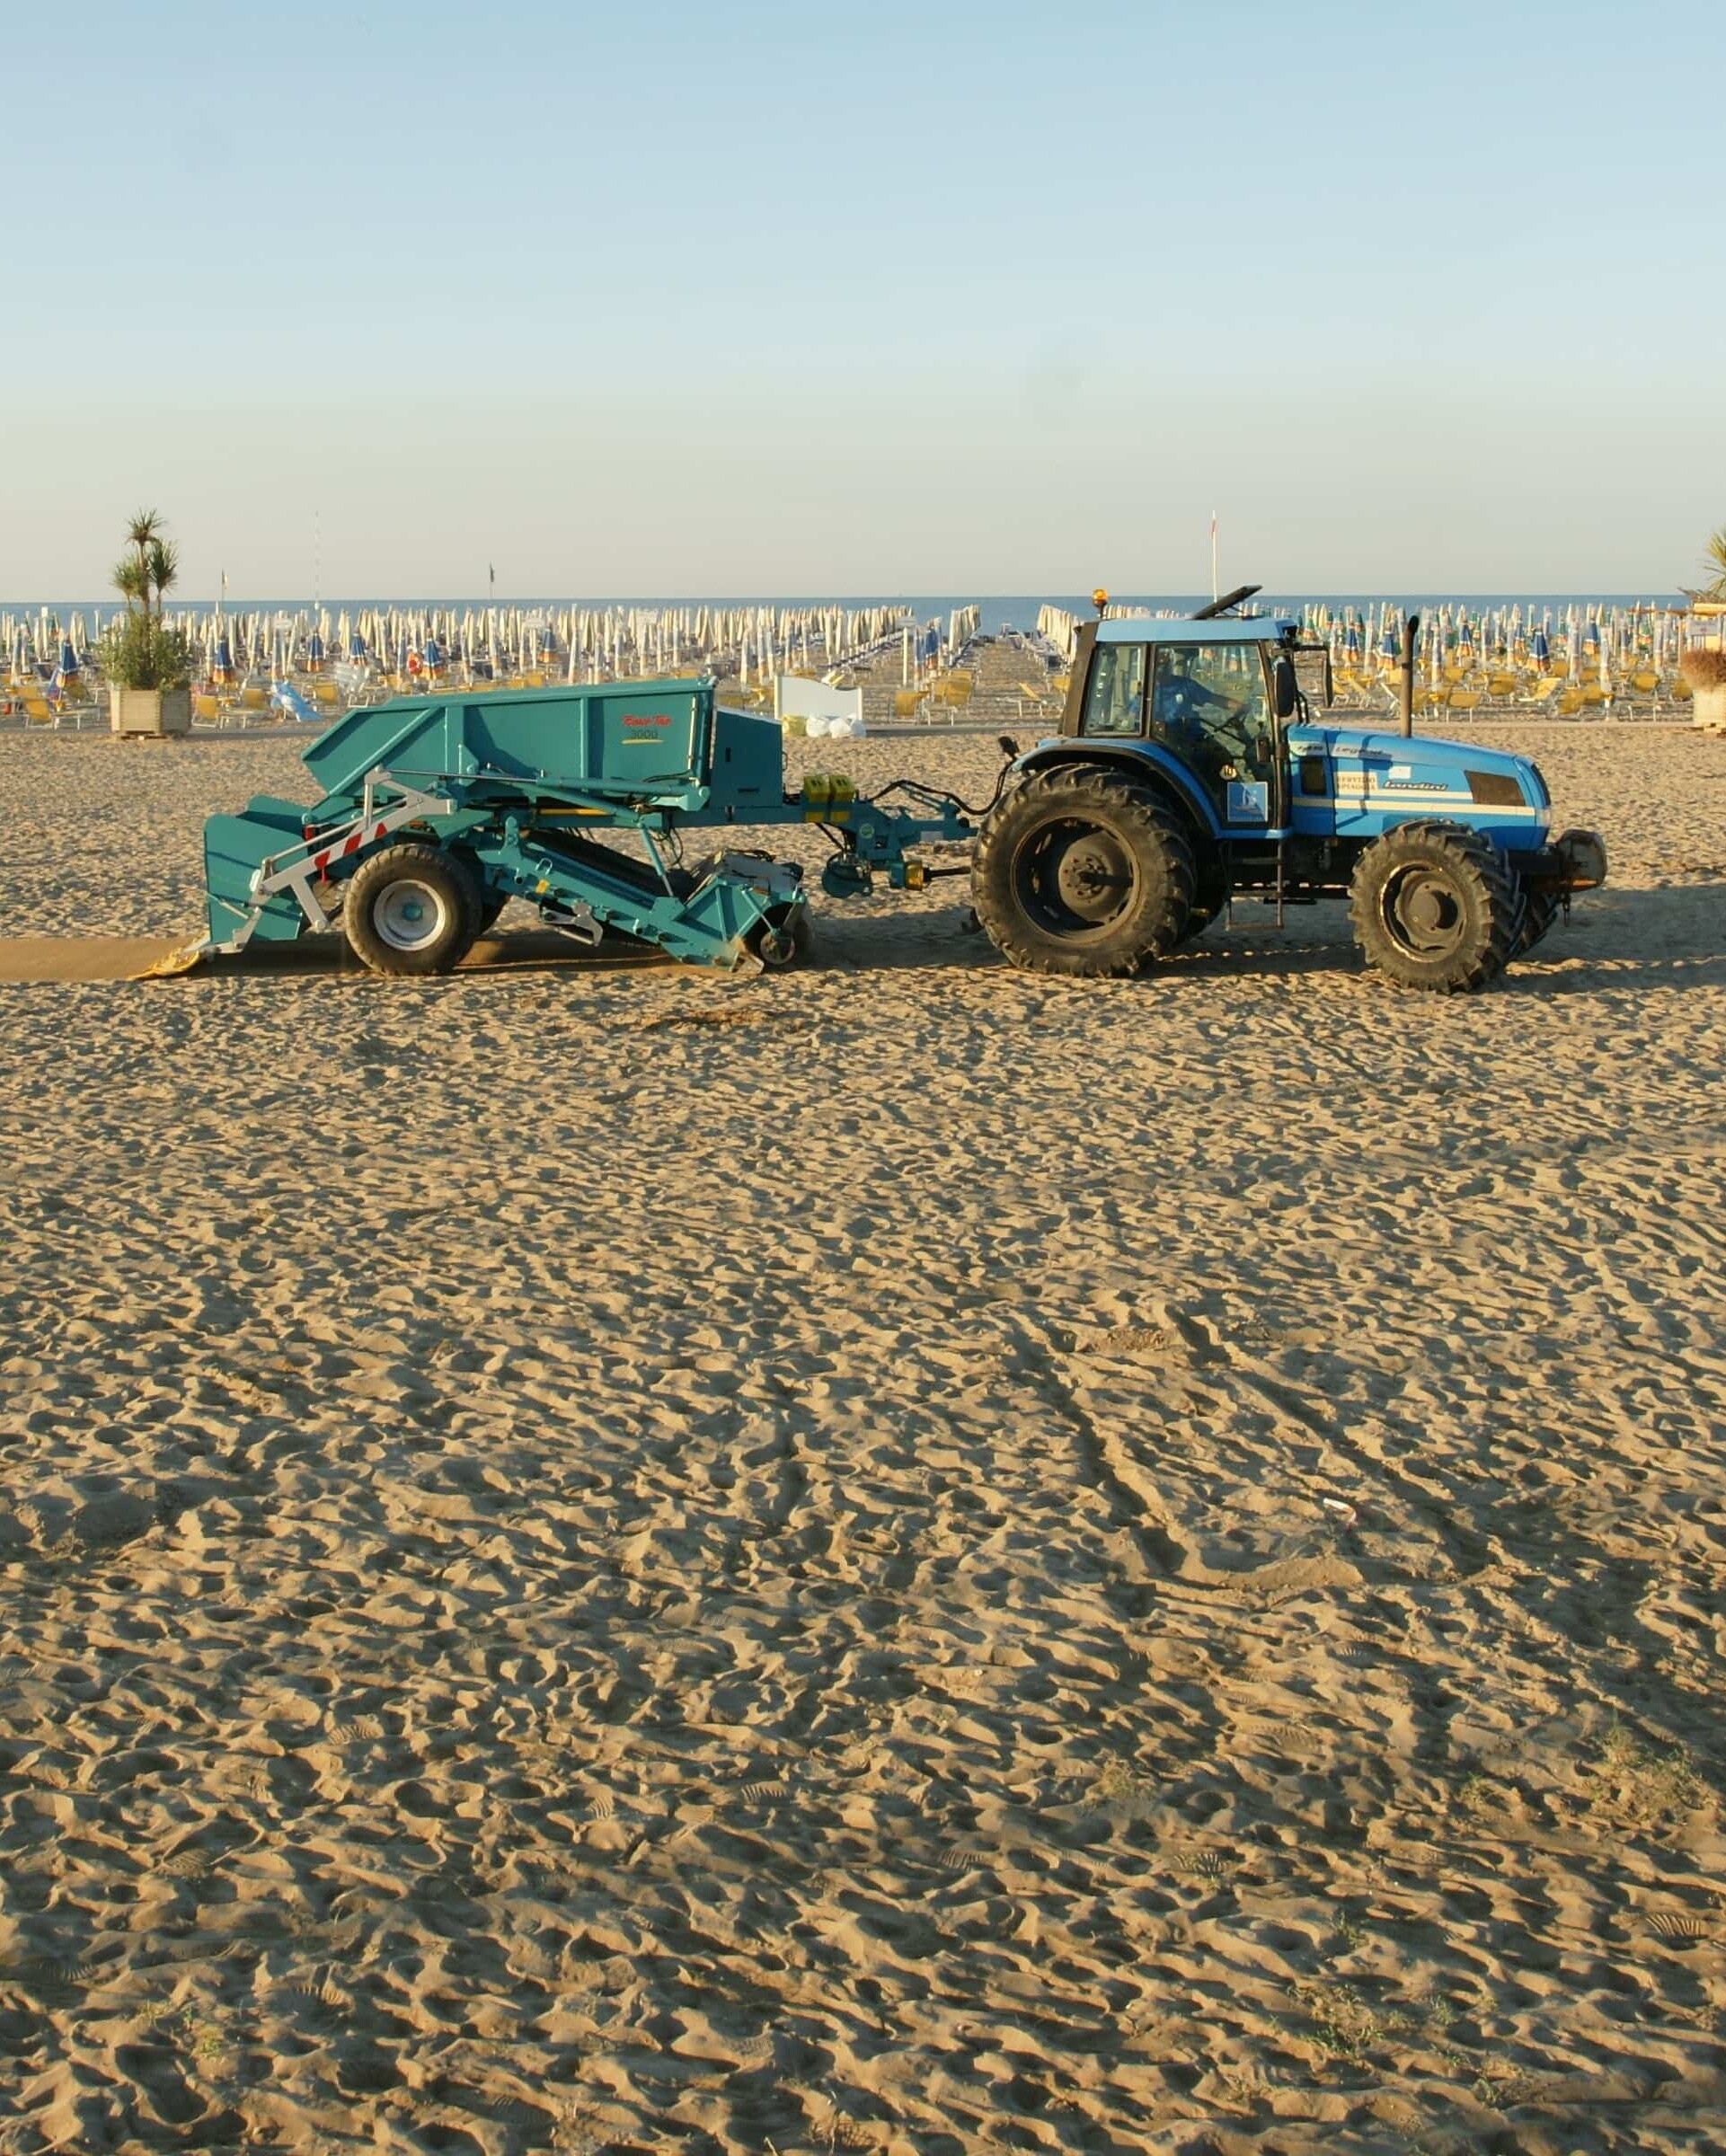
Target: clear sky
<point>925,294</point>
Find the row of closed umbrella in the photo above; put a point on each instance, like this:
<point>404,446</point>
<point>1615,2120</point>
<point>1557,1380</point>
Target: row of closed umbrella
<point>495,642</point>
<point>1578,637</point>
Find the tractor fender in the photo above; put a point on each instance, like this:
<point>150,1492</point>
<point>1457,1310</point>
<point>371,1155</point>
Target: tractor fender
<point>1146,762</point>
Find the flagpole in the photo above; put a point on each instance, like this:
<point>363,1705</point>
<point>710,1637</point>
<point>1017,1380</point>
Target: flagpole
<point>1215,588</point>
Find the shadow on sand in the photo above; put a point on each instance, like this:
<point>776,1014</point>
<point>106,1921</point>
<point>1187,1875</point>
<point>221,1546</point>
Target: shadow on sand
<point>1668,938</point>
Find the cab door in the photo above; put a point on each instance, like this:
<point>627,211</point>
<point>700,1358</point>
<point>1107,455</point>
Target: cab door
<point>1210,706</point>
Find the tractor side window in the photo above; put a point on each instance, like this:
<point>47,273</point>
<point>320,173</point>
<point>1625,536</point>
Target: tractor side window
<point>1114,696</point>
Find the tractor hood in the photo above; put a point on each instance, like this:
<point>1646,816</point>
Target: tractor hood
<point>1355,781</point>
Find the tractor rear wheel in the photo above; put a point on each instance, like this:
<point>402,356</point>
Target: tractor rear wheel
<point>1079,872</point>
<point>1210,895</point>
<point>411,910</point>
<point>1434,907</point>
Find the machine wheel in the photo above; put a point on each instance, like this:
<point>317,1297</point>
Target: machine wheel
<point>1540,909</point>
<point>1078,872</point>
<point>411,910</point>
<point>484,908</point>
<point>1434,907</point>
<point>782,939</point>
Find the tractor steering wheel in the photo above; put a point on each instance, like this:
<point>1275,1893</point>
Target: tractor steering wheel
<point>1233,733</point>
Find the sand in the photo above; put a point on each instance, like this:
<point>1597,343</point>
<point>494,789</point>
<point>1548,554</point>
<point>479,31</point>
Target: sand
<point>900,1557</point>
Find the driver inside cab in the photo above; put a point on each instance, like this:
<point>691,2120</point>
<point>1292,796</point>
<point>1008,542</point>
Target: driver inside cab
<point>1182,701</point>
<point>1208,705</point>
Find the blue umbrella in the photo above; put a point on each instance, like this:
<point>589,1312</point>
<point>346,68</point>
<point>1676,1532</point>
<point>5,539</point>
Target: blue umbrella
<point>68,657</point>
<point>223,654</point>
<point>1542,648</point>
<point>434,652</point>
<point>315,649</point>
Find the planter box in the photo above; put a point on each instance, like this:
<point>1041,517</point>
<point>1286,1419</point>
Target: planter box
<point>150,710</point>
<point>1708,708</point>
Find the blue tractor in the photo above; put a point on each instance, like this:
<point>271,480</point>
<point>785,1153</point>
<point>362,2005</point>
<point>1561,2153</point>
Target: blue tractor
<point>1190,768</point>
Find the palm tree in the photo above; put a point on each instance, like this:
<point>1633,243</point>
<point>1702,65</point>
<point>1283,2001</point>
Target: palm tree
<point>151,569</point>
<point>165,569</point>
<point>1717,563</point>
<point>140,651</point>
<point>141,534</point>
<point>131,579</point>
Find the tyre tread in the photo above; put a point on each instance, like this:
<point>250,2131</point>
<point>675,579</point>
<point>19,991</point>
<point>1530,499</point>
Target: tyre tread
<point>1468,970</point>
<point>1032,954</point>
<point>402,856</point>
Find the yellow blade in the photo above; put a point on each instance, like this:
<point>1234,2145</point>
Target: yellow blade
<point>181,959</point>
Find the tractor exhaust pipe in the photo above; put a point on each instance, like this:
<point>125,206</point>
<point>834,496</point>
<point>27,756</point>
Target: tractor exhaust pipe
<point>1411,631</point>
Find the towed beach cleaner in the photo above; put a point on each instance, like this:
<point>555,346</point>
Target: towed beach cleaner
<point>1191,771</point>
<point>435,813</point>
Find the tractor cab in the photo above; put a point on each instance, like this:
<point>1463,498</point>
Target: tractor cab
<point>1207,700</point>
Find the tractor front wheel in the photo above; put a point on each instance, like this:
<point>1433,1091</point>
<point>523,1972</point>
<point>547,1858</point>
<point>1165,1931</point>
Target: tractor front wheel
<point>411,910</point>
<point>1434,907</point>
<point>1540,909</point>
<point>1078,872</point>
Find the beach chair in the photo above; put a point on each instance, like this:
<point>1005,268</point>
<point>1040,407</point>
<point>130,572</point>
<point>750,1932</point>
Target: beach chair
<point>1348,687</point>
<point>206,710</point>
<point>325,692</point>
<point>39,711</point>
<point>1465,700</point>
<point>254,700</point>
<point>1544,691</point>
<point>905,702</point>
